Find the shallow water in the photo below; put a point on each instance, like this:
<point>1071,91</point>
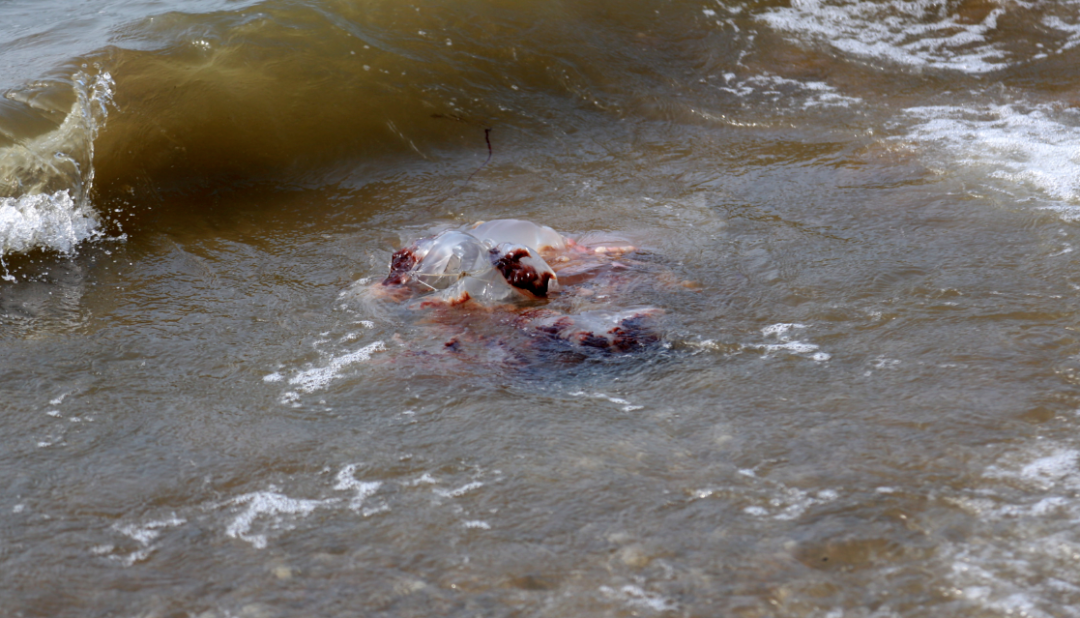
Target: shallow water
<point>859,220</point>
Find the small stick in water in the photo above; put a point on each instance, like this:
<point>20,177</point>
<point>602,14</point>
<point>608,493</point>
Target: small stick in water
<point>487,140</point>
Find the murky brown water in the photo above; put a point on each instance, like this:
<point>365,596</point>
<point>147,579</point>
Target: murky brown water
<point>857,218</point>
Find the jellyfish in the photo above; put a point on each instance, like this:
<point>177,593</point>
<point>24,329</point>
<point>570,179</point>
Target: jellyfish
<point>486,265</point>
<point>503,265</point>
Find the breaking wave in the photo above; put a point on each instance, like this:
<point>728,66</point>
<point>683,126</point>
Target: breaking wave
<point>47,178</point>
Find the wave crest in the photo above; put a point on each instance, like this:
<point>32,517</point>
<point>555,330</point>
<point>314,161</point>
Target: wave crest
<point>46,179</point>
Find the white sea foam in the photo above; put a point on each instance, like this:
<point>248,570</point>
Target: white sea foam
<point>277,508</point>
<point>1026,147</point>
<point>619,401</point>
<point>783,334</point>
<point>1055,467</point>
<point>1064,17</point>
<point>636,596</point>
<point>54,221</point>
<point>425,478</point>
<point>318,378</point>
<point>916,33</point>
<point>1023,558</point>
<point>363,489</point>
<point>768,499</point>
<point>253,516</point>
<point>804,95</point>
<point>143,534</point>
<point>780,330</point>
<point>279,511</point>
<point>460,491</point>
<point>260,517</point>
<point>788,503</point>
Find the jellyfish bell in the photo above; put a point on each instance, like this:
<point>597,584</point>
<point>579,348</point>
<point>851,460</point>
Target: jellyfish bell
<point>453,255</point>
<point>436,263</point>
<point>516,231</point>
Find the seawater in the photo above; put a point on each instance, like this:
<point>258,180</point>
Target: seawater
<point>858,218</point>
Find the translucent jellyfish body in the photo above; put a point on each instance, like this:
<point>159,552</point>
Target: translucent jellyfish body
<point>451,256</point>
<point>515,231</point>
<point>459,267</point>
<point>514,273</point>
<point>488,287</point>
